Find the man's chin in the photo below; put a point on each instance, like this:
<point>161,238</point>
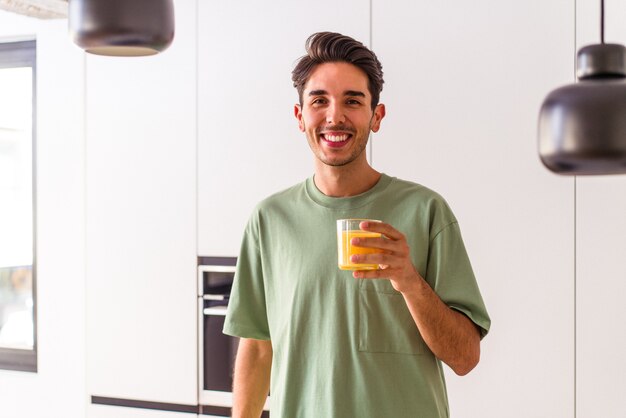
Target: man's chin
<point>336,163</point>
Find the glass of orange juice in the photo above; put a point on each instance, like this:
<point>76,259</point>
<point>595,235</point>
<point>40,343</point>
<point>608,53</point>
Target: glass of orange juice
<point>346,230</point>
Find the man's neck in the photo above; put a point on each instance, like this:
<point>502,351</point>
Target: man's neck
<point>345,181</point>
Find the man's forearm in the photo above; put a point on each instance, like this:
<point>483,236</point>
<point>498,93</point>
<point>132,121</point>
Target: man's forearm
<point>450,335</point>
<point>252,377</point>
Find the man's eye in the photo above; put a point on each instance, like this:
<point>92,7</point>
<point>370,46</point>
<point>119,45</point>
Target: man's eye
<point>318,101</point>
<point>353,102</point>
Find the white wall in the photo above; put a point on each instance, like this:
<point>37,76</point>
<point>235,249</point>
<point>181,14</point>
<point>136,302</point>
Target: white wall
<point>58,388</point>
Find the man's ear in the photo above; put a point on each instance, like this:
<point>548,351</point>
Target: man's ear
<point>297,111</point>
<point>379,114</point>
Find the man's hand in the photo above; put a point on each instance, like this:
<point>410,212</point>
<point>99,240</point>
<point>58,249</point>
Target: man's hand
<point>395,260</point>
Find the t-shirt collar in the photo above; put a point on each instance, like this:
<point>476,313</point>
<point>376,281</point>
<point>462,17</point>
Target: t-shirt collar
<point>350,202</point>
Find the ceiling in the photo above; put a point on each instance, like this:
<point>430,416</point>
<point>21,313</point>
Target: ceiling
<point>41,9</point>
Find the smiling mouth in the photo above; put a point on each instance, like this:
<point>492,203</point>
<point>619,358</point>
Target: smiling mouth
<point>336,138</point>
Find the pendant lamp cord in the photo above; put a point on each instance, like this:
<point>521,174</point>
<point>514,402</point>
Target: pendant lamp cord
<point>602,21</point>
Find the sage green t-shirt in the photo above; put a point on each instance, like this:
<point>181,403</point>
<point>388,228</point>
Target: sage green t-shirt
<point>346,347</point>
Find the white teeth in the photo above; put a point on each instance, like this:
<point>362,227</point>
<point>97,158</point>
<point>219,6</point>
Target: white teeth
<point>336,138</point>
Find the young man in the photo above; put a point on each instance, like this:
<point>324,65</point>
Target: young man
<point>334,344</point>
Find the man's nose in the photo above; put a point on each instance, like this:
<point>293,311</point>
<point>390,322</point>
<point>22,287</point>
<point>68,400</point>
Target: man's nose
<point>335,114</point>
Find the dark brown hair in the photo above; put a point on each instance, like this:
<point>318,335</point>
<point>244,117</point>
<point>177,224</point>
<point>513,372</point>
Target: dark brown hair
<point>322,47</point>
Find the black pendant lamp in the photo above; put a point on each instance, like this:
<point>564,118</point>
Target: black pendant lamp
<point>122,27</point>
<point>582,126</point>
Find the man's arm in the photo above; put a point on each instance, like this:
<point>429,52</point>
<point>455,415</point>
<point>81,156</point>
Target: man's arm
<point>251,382</point>
<point>449,334</point>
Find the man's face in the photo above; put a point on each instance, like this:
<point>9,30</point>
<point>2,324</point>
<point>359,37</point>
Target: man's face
<point>336,113</point>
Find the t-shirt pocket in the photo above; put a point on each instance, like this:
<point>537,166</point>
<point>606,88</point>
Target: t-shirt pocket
<point>385,323</point>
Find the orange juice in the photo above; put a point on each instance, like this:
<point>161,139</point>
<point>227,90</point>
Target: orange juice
<point>346,249</point>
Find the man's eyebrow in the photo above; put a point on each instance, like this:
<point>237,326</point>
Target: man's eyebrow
<point>351,93</point>
<point>354,93</point>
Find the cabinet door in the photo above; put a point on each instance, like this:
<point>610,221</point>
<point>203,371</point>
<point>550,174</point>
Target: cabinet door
<point>600,259</point>
<point>141,229</point>
<point>463,85</point>
<point>249,143</point>
<point>601,286</point>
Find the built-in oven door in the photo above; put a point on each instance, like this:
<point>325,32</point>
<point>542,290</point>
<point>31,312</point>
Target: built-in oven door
<point>218,357</point>
<point>216,350</point>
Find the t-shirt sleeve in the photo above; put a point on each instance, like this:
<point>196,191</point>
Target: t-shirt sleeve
<point>246,316</point>
<point>450,274</point>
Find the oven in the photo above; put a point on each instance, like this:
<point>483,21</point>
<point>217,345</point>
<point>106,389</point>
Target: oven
<point>216,351</point>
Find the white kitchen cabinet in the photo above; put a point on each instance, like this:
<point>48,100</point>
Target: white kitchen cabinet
<point>249,144</point>
<point>141,222</point>
<point>600,259</point>
<point>105,411</point>
<point>601,286</point>
<point>464,82</point>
